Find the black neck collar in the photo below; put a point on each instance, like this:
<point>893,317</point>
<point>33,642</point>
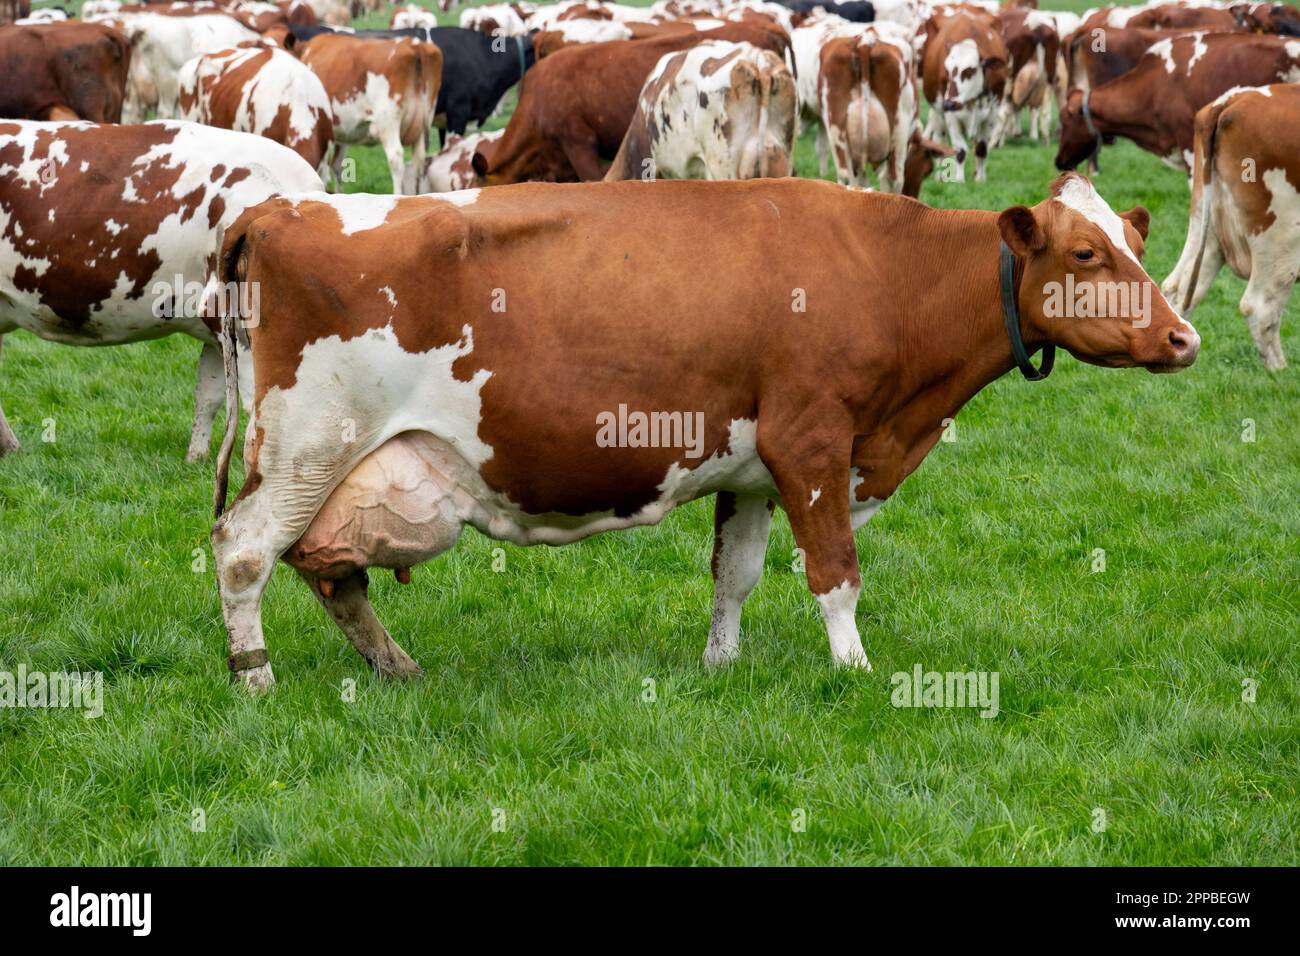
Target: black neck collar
<point>1011,318</point>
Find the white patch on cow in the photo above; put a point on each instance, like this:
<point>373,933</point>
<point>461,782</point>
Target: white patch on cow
<point>860,512</point>
<point>961,57</point>
<point>357,212</point>
<point>1199,49</point>
<point>390,295</point>
<point>461,197</point>
<point>1165,50</point>
<point>1224,97</point>
<point>812,499</point>
<point>838,606</point>
<point>113,227</point>
<point>1080,195</point>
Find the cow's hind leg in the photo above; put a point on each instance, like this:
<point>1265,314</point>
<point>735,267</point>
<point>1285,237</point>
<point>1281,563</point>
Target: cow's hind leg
<point>209,393</point>
<point>247,542</point>
<point>8,440</point>
<point>1272,276</point>
<point>349,606</point>
<point>740,528</point>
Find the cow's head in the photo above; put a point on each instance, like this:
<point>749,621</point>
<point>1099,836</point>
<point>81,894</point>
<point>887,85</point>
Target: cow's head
<point>1079,137</point>
<point>1083,286</point>
<point>1277,18</point>
<point>964,69</point>
<point>922,155</point>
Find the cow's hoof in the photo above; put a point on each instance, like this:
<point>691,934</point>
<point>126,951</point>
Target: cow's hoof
<point>8,447</point>
<point>255,680</point>
<point>855,661</point>
<point>720,656</point>
<point>195,454</point>
<point>398,668</point>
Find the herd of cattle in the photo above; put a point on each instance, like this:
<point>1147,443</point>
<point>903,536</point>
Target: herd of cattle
<point>415,363</point>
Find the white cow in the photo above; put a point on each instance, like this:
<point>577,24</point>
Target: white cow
<point>716,111</point>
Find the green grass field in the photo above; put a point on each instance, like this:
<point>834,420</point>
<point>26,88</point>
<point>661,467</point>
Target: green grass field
<point>531,738</point>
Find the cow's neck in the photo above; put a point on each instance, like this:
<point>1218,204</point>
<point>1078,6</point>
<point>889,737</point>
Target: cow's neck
<point>951,334</point>
<point>1117,110</point>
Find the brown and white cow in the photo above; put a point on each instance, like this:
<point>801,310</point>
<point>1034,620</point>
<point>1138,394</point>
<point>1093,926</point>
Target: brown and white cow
<point>964,65</point>
<point>107,232</point>
<point>1034,48</point>
<point>1282,19</point>
<point>162,44</point>
<point>639,369</point>
<point>264,90</point>
<point>1155,103</point>
<point>452,168</point>
<point>382,92</point>
<point>575,106</point>
<point>716,111</point>
<point>1245,208</point>
<point>63,71</point>
<point>868,104</point>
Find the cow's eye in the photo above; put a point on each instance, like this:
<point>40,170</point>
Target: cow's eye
<point>1084,255</point>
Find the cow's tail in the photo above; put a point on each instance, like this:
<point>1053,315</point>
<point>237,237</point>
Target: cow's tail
<point>230,272</point>
<point>1207,132</point>
<point>765,80</point>
<point>863,68</point>
<point>230,264</point>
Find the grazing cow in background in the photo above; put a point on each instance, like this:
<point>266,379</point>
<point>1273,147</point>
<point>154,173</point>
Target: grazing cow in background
<point>716,111</point>
<point>262,90</point>
<point>496,19</point>
<point>1277,18</point>
<point>964,74</point>
<point>63,71</point>
<point>162,45</point>
<point>477,70</point>
<point>1155,103</point>
<point>97,223</point>
<point>1034,48</point>
<point>1251,222</point>
<point>578,103</point>
<point>453,168</point>
<point>1101,54</point>
<point>510,421</point>
<point>382,92</point>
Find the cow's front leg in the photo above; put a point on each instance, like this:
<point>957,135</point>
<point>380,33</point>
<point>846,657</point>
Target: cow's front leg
<point>740,527</point>
<point>8,440</point>
<point>957,137</point>
<point>349,605</point>
<point>209,392</point>
<point>815,495</point>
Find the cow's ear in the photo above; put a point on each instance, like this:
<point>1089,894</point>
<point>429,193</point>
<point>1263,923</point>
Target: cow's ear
<point>1139,219</point>
<point>480,164</point>
<point>1021,230</point>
